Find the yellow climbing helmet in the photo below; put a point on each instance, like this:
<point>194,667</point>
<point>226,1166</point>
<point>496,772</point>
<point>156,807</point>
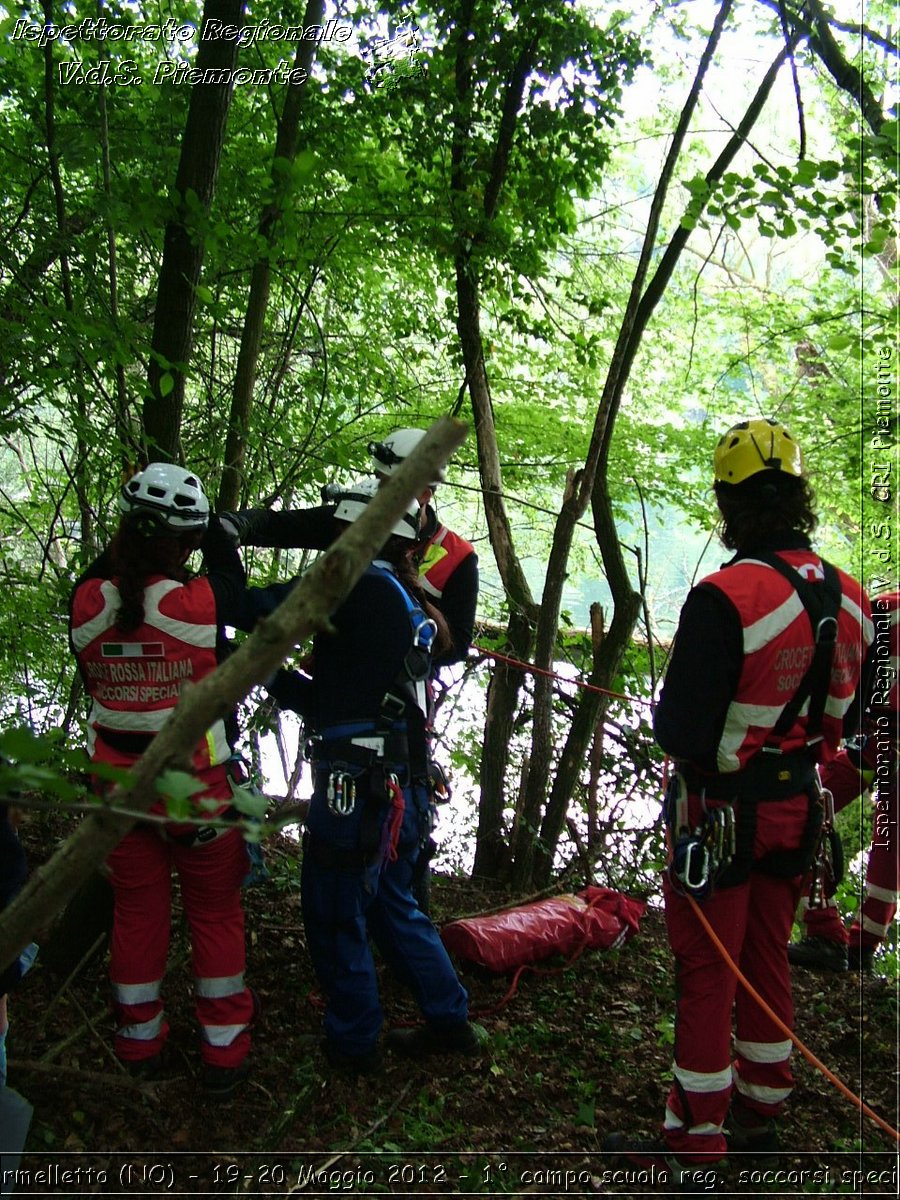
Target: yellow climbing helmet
<point>759,444</point>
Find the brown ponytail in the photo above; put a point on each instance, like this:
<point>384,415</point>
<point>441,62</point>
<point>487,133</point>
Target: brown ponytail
<point>135,558</point>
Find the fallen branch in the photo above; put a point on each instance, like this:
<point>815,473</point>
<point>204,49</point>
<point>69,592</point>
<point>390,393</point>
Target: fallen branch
<point>364,1136</point>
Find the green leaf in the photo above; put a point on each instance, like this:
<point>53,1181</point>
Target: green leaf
<point>166,383</point>
<point>250,801</point>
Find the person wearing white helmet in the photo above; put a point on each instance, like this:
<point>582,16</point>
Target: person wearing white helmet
<point>141,625</point>
<point>763,682</point>
<point>366,705</point>
<point>447,563</point>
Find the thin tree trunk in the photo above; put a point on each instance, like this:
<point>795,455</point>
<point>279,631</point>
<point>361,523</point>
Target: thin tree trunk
<point>638,314</point>
<point>195,183</point>
<point>491,852</point>
<point>260,280</point>
<point>578,496</point>
<point>86,515</point>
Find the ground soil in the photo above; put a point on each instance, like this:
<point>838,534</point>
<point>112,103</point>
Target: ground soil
<point>574,1054</point>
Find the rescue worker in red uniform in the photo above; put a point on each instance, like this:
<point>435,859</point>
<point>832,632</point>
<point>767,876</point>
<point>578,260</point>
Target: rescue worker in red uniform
<point>827,944</point>
<point>447,563</point>
<point>760,687</point>
<point>140,626</point>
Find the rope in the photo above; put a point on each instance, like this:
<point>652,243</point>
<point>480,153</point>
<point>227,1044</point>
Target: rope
<point>804,1050</point>
<point>533,669</point>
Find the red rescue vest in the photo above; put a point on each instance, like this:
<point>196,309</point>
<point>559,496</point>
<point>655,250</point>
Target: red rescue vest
<point>778,649</point>
<point>135,679</point>
<point>446,550</point>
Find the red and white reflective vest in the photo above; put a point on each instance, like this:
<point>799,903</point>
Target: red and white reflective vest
<point>135,679</point>
<point>778,649</point>
<point>446,550</point>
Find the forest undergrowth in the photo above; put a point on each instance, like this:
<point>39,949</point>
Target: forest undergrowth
<point>576,1052</point>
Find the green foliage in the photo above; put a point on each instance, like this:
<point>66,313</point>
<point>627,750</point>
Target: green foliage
<point>783,304</point>
<point>40,764</point>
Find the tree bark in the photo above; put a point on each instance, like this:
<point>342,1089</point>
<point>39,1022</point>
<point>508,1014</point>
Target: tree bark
<point>305,611</point>
<point>491,852</point>
<point>260,280</point>
<point>608,653</point>
<point>579,494</point>
<point>195,183</point>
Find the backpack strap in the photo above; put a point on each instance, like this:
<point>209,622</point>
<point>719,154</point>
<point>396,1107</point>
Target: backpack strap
<point>822,602</point>
<point>409,696</point>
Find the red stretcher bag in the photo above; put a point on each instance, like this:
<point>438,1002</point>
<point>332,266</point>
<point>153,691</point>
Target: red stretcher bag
<point>597,918</point>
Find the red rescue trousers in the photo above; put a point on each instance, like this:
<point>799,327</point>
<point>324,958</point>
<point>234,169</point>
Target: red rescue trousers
<point>753,920</point>
<point>210,875</point>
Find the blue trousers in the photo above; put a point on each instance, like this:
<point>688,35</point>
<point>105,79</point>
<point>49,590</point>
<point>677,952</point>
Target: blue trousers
<point>343,907</point>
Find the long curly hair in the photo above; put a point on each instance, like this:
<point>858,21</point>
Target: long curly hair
<point>764,506</point>
<point>137,555</point>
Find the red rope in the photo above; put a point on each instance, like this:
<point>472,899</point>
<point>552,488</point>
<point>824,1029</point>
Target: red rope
<point>532,669</point>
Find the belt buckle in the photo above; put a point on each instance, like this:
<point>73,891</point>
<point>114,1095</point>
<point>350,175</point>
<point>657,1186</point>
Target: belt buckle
<point>369,743</point>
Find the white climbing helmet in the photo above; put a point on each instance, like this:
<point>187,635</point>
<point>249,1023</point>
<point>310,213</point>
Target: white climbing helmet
<point>389,454</point>
<point>170,497</point>
<point>356,498</point>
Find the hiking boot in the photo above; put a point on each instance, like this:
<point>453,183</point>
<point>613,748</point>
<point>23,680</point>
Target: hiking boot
<point>424,1040</point>
<point>818,954</point>
<point>748,1133</point>
<point>861,958</point>
<point>218,1083</point>
<point>144,1069</point>
<point>352,1064</point>
<point>651,1154</point>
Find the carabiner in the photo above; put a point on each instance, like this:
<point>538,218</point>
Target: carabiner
<point>431,627</point>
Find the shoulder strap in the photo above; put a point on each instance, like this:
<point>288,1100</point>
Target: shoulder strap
<point>822,602</point>
<point>409,695</point>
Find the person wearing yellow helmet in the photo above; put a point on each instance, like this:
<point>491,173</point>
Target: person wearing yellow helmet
<point>749,707</point>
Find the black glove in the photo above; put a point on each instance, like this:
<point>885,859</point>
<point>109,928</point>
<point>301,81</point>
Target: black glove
<point>239,525</point>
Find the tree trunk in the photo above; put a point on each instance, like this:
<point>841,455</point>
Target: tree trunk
<point>608,652</point>
<point>195,183</point>
<point>490,853</point>
<point>260,281</point>
<point>305,611</point>
<point>642,302</point>
<point>592,480</point>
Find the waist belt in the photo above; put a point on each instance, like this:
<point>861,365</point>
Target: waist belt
<point>767,776</point>
<point>360,751</point>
